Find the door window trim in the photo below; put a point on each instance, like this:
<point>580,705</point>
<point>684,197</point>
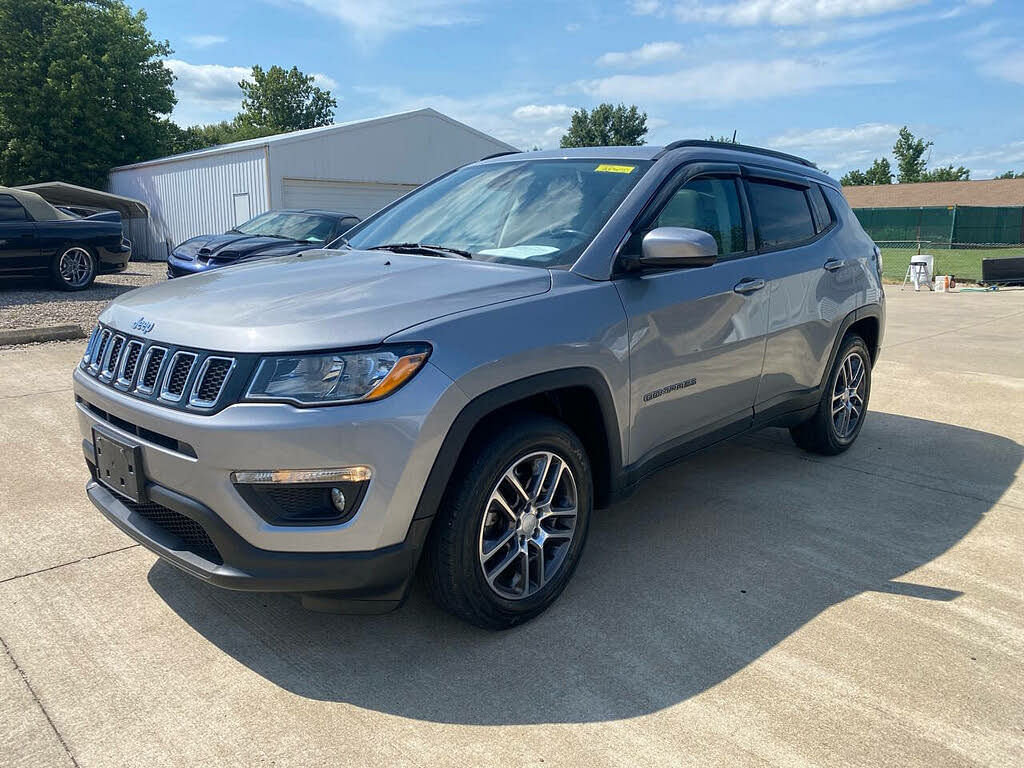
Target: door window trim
<point>679,177</point>
<point>783,178</point>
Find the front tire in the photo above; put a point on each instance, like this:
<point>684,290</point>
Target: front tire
<point>512,525</point>
<point>74,268</point>
<point>844,402</point>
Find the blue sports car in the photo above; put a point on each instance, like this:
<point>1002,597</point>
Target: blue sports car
<point>274,233</point>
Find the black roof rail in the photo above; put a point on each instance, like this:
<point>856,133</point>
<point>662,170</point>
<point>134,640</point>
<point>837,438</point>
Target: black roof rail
<point>500,154</point>
<point>739,147</point>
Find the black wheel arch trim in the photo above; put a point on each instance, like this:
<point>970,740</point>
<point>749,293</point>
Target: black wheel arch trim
<point>862,313</point>
<point>488,403</point>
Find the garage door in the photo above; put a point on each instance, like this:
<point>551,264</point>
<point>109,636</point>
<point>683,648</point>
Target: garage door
<point>360,198</point>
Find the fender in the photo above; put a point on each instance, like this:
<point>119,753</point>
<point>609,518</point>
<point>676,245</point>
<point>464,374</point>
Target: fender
<point>489,402</point>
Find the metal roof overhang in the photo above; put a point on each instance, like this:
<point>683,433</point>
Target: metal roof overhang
<point>62,193</point>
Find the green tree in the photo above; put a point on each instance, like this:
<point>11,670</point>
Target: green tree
<point>82,89</point>
<point>725,139</point>
<point>909,152</point>
<point>947,173</point>
<point>1011,175</point>
<point>880,172</point>
<point>606,126</point>
<point>279,100</point>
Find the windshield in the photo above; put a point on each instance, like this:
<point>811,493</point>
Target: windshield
<point>542,213</point>
<point>305,227</point>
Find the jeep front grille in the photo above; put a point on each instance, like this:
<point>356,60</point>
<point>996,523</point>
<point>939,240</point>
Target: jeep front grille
<point>190,379</point>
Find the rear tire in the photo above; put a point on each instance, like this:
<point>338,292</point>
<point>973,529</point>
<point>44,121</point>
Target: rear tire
<point>74,268</point>
<point>843,407</point>
<point>512,525</point>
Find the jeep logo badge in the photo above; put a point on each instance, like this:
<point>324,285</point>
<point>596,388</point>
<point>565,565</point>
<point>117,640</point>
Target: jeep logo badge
<point>142,325</point>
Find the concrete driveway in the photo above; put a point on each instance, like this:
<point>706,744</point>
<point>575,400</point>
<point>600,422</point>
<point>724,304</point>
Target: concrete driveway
<point>753,605</point>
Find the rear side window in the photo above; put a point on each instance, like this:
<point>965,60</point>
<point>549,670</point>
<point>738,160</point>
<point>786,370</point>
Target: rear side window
<point>822,215</point>
<point>11,210</point>
<point>782,213</point>
<point>711,205</point>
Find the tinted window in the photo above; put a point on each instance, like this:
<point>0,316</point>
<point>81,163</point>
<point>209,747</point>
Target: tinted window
<point>10,209</point>
<point>782,214</point>
<point>347,224</point>
<point>822,215</point>
<point>711,205</point>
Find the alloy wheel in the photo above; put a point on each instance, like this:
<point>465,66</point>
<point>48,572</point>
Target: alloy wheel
<point>75,266</point>
<point>848,396</point>
<point>528,525</point>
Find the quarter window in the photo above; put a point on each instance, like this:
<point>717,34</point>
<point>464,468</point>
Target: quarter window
<point>711,205</point>
<point>822,215</point>
<point>782,214</point>
<point>10,209</point>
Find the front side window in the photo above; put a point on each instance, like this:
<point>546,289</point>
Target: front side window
<point>541,213</point>
<point>10,209</point>
<point>304,227</point>
<point>711,205</point>
<point>782,214</point>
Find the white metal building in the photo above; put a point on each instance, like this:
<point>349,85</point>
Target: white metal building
<point>355,167</point>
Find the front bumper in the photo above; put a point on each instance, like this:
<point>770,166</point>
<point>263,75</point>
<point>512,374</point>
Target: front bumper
<point>182,267</point>
<point>366,582</point>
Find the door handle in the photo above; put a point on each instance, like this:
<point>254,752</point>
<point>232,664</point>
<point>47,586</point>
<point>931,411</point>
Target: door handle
<point>833,264</point>
<point>749,285</point>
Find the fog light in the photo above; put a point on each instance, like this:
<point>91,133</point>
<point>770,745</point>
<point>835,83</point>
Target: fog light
<point>338,499</point>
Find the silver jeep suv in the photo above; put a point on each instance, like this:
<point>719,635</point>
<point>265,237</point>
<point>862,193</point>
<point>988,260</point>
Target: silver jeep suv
<point>475,369</point>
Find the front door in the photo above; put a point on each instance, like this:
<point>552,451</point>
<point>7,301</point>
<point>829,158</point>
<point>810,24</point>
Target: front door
<point>19,244</point>
<point>696,335</point>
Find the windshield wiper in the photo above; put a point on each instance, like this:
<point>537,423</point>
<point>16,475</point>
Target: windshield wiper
<point>433,250</point>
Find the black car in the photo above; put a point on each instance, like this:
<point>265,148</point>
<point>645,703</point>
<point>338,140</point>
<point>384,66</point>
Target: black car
<point>37,239</point>
<point>274,233</point>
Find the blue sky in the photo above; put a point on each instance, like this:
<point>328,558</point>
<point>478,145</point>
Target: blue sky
<point>831,79</point>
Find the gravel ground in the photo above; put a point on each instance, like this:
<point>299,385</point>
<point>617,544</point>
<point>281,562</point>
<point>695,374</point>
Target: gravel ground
<point>32,303</point>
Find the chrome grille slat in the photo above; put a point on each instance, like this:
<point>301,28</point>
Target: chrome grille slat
<point>111,358</point>
<point>211,380</point>
<point>101,348</point>
<point>173,386</point>
<point>129,364</point>
<point>152,362</point>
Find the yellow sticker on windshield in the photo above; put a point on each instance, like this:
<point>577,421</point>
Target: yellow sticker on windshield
<point>605,168</point>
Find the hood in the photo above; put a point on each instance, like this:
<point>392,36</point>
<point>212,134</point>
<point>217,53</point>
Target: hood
<point>232,246</point>
<point>317,300</point>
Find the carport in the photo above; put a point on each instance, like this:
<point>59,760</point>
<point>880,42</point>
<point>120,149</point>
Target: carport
<point>134,213</point>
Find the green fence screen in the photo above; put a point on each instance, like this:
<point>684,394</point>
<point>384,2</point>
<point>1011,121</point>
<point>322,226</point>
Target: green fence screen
<point>945,226</point>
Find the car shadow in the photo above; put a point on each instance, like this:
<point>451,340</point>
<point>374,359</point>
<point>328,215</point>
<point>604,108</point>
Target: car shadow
<point>21,291</point>
<point>705,568</point>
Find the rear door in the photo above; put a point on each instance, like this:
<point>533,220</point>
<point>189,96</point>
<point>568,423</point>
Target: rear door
<point>19,242</point>
<point>696,335</point>
<point>807,285</point>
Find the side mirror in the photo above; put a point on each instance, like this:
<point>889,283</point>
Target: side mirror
<point>677,247</point>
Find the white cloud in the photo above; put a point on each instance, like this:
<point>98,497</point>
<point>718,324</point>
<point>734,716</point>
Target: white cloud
<point>999,57</point>
<point>206,92</point>
<point>328,83</point>
<point>840,148</point>
<point>988,161</point>
<point>535,112</point>
<point>205,41</point>
<point>645,7</point>
<point>379,18</point>
<point>648,53</point>
<point>573,26</point>
<point>743,13</point>
<point>731,81</point>
<point>512,116</point>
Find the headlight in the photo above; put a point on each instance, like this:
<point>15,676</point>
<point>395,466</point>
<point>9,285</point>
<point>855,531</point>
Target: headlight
<point>336,377</point>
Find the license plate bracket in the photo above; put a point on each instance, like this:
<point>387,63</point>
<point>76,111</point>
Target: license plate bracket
<point>119,466</point>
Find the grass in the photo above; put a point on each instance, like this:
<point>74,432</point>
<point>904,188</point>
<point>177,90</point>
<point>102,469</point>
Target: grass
<point>964,263</point>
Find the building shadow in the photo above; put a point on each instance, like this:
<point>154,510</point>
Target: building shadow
<point>708,566</point>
